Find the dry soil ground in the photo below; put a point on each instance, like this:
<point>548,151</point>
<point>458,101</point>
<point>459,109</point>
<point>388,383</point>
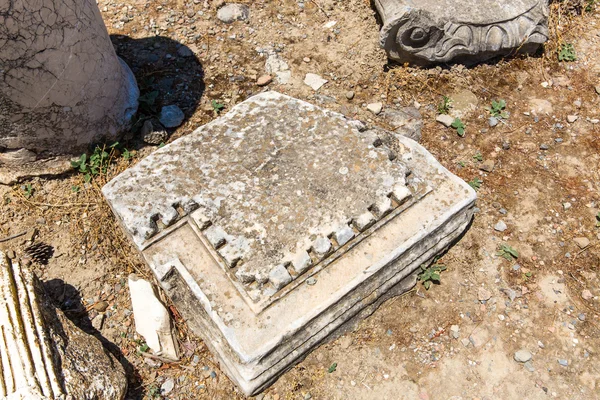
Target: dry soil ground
<point>455,341</point>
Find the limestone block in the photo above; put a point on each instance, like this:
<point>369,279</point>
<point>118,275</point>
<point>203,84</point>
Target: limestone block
<point>423,32</point>
<point>42,354</point>
<point>152,319</point>
<point>328,217</point>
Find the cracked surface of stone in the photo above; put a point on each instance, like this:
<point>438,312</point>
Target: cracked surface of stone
<point>62,85</point>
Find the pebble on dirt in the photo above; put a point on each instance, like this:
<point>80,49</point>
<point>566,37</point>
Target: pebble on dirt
<point>171,116</point>
<point>483,294</point>
<point>445,120</point>
<point>264,80</point>
<point>582,242</point>
<point>500,226</point>
<point>523,356</point>
<point>233,12</point>
<point>167,386</point>
<point>375,108</point>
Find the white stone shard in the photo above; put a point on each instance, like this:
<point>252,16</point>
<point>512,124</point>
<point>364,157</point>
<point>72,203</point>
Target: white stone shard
<point>272,168</point>
<point>152,319</point>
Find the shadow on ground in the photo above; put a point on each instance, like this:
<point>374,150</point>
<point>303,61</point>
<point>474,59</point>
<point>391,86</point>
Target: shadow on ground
<point>167,73</point>
<point>68,299</point>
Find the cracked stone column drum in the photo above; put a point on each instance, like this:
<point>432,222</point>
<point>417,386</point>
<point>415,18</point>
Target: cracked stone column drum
<point>62,85</point>
<point>468,31</point>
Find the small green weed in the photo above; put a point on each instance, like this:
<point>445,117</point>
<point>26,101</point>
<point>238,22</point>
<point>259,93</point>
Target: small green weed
<point>445,105</point>
<point>431,274</point>
<point>459,126</point>
<point>566,53</point>
<point>217,107</point>
<point>476,183</point>
<point>144,347</point>
<point>28,190</point>
<point>461,163</point>
<point>75,189</point>
<point>590,6</point>
<point>498,109</point>
<point>478,157</point>
<point>332,368</point>
<point>99,161</point>
<point>154,392</point>
<point>507,252</point>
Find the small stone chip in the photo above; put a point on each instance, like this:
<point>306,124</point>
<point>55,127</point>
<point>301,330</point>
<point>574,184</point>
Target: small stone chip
<point>302,262</point>
<point>364,221</point>
<point>344,235</point>
<point>523,356</point>
<point>445,120</point>
<point>279,276</point>
<point>321,246</point>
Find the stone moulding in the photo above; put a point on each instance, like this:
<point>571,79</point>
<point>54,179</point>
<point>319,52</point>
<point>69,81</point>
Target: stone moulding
<point>440,31</point>
<point>275,225</point>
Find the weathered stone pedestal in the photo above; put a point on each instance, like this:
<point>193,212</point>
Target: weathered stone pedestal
<point>425,32</point>
<point>274,225</point>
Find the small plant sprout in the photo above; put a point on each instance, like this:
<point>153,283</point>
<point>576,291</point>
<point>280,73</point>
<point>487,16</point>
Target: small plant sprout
<point>476,183</point>
<point>566,53</point>
<point>431,274</point>
<point>217,107</point>
<point>332,368</point>
<point>445,105</point>
<point>507,252</point>
<point>498,109</point>
<point>459,126</point>
<point>478,157</point>
<point>98,162</point>
<point>28,190</point>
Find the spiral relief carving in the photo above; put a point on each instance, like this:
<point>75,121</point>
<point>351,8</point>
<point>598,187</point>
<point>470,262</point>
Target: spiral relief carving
<point>433,33</point>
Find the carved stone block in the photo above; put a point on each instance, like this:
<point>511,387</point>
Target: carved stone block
<point>274,225</point>
<point>439,31</point>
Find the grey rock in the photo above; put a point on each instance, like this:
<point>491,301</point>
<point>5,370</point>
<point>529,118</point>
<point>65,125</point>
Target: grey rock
<point>153,133</point>
<point>500,226</point>
<point>544,146</point>
<point>572,118</point>
<point>493,121</point>
<point>277,66</point>
<point>529,366</point>
<point>432,31</point>
<point>350,95</point>
<point>406,121</point>
<point>233,12</point>
<point>184,51</point>
<point>167,386</point>
<point>445,120</point>
<point>523,356</point>
<point>171,116</point>
<point>98,322</point>
<point>563,362</point>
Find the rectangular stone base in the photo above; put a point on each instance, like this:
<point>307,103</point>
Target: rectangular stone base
<point>258,328</point>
